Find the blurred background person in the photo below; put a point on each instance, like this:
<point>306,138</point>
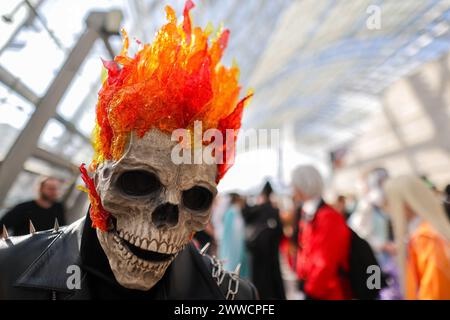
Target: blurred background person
<point>293,237</point>
<point>368,220</point>
<point>263,235</point>
<point>42,211</point>
<point>232,247</point>
<point>341,206</point>
<point>324,240</point>
<point>290,217</point>
<point>422,234</point>
<point>371,223</point>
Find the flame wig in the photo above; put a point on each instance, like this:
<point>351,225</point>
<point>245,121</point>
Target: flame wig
<point>168,84</point>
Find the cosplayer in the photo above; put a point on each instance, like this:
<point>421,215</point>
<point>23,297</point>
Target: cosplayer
<point>135,242</point>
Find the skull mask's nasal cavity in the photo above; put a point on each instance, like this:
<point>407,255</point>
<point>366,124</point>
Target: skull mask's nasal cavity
<point>165,215</point>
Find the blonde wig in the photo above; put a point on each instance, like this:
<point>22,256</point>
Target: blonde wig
<point>413,192</point>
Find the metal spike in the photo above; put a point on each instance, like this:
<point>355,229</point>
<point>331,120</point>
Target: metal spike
<point>56,225</point>
<point>205,248</point>
<point>237,270</point>
<point>32,229</point>
<point>5,234</point>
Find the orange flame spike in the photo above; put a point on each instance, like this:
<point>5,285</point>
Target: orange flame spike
<point>168,84</point>
<point>187,20</point>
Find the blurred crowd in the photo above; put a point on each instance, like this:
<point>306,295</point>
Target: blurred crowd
<point>390,242</point>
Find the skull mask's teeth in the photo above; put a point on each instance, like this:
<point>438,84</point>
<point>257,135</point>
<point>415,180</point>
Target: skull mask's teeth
<point>163,246</point>
<point>141,250</point>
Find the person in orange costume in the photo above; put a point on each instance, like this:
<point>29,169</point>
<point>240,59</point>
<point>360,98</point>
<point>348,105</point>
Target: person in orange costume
<point>419,218</point>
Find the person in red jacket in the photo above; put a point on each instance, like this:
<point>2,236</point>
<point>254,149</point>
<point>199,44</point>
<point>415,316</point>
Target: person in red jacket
<point>324,241</point>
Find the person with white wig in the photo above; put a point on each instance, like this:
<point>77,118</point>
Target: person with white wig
<point>324,240</point>
<point>422,233</point>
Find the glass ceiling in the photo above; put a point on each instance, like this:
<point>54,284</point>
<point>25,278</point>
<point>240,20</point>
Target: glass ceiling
<point>314,64</point>
<point>331,73</point>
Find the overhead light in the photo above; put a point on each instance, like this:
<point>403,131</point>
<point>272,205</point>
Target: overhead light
<point>440,28</point>
<point>424,40</point>
<point>412,50</point>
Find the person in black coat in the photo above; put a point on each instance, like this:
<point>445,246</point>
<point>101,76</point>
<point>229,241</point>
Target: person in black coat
<point>264,232</point>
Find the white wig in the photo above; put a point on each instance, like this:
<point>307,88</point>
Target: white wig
<point>308,181</point>
<point>412,191</point>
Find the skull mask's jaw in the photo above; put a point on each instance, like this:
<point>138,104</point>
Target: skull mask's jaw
<point>155,207</point>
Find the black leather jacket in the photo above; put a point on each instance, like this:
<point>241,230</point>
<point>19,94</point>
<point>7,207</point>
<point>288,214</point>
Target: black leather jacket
<point>37,266</point>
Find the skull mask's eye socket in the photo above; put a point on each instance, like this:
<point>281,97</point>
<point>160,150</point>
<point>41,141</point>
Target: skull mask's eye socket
<point>138,183</point>
<point>197,198</point>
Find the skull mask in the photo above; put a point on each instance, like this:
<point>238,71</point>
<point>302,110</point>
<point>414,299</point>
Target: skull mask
<point>155,208</point>
<point>145,206</point>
